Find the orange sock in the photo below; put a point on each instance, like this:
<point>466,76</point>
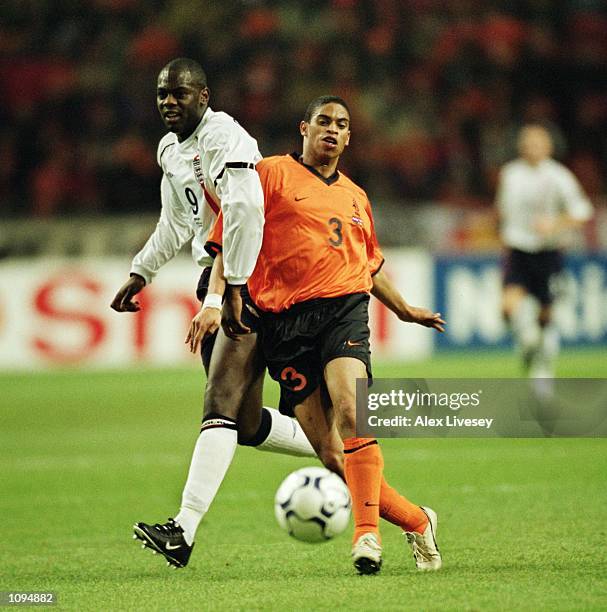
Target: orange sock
<point>363,466</point>
<point>398,510</point>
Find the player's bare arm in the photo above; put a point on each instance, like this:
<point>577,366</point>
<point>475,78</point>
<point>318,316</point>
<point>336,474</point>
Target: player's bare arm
<point>548,226</point>
<point>123,300</point>
<point>387,294</point>
<point>231,319</point>
<point>208,319</point>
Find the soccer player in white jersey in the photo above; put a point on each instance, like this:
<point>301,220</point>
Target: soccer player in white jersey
<point>208,161</point>
<point>539,201</point>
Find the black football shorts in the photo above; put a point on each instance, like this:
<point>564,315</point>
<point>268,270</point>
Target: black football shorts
<point>299,342</point>
<point>536,272</point>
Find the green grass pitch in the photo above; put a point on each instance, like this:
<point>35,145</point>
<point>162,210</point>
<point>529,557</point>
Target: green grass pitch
<point>522,523</point>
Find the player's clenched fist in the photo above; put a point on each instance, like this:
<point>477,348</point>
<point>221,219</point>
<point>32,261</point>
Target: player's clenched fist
<point>123,301</point>
<point>205,323</point>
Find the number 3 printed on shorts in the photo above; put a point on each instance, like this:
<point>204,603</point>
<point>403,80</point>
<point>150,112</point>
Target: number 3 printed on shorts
<point>293,376</point>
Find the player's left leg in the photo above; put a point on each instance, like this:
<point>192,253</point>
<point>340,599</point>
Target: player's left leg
<point>520,310</point>
<point>519,306</point>
<point>258,426</point>
<point>364,474</point>
<point>263,428</point>
<point>543,364</point>
<point>363,462</point>
<point>545,280</point>
<point>266,429</point>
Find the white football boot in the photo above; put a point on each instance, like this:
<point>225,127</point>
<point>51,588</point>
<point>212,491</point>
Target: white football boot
<point>366,554</point>
<point>424,546</point>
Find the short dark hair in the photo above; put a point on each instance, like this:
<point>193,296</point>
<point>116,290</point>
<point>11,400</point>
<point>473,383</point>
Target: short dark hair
<point>185,64</point>
<point>321,101</point>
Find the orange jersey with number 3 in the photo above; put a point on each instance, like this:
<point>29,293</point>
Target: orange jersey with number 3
<point>319,240</point>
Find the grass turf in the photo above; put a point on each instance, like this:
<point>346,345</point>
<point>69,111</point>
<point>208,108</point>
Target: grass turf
<point>84,455</point>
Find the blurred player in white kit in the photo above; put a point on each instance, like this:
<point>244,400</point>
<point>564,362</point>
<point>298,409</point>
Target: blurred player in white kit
<point>539,201</point>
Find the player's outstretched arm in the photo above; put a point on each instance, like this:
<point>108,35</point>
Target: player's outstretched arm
<point>387,294</point>
<point>123,300</point>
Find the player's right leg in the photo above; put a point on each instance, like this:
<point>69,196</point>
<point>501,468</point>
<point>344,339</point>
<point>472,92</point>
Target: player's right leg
<point>315,417</point>
<point>519,308</point>
<point>521,311</point>
<point>232,370</point>
<point>235,384</point>
<point>547,271</point>
<point>213,451</point>
<point>543,365</point>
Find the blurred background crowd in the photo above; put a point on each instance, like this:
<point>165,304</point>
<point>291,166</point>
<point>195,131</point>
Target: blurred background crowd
<point>437,90</point>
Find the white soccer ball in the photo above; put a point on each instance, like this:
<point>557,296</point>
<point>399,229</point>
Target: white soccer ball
<point>313,504</point>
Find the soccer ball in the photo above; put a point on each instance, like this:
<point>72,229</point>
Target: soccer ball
<point>312,504</point>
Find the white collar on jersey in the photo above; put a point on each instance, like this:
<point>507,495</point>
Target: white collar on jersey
<point>545,163</point>
<point>190,140</point>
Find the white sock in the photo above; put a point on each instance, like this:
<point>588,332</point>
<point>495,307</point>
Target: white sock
<point>525,326</point>
<point>543,363</point>
<point>212,456</point>
<point>550,343</point>
<point>286,437</point>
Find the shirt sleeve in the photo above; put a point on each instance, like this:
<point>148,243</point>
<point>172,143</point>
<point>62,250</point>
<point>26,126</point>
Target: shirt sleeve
<point>231,159</point>
<point>172,232</point>
<point>374,255</point>
<point>576,203</point>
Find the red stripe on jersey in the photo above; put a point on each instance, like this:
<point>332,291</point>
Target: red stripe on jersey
<point>210,201</point>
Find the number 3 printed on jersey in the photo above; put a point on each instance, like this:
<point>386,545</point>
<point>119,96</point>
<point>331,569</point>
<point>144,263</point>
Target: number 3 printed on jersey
<point>192,199</point>
<point>336,236</point>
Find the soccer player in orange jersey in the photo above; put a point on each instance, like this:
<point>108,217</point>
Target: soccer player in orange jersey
<point>318,263</point>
